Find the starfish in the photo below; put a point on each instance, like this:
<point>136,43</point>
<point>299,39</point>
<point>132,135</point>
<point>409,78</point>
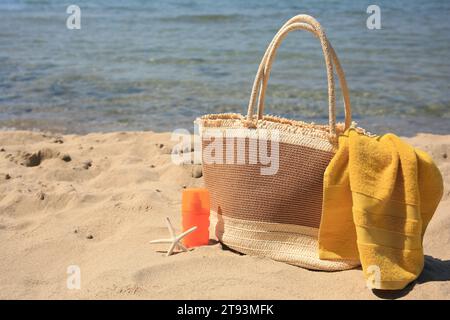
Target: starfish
<point>174,239</point>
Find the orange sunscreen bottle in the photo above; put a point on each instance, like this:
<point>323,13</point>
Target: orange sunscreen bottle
<point>195,212</point>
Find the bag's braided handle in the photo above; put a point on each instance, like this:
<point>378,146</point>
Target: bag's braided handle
<point>301,22</point>
<point>336,63</point>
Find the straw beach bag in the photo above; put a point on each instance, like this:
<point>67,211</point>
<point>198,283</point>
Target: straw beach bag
<point>275,215</point>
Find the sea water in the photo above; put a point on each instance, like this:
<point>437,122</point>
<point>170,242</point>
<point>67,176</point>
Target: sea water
<point>156,65</point>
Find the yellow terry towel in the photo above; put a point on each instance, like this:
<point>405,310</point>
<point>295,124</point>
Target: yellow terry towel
<point>379,195</point>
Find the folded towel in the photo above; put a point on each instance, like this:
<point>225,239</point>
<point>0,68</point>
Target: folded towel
<point>379,196</point>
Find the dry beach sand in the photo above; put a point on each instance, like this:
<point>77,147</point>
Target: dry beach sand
<point>96,201</point>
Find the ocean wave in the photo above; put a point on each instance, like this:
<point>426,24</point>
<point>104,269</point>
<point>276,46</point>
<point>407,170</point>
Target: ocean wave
<point>204,18</point>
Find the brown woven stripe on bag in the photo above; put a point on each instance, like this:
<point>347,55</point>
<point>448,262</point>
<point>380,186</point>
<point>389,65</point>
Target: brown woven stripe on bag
<point>293,195</point>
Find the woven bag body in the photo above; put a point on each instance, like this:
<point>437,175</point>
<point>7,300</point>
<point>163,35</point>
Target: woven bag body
<point>267,209</point>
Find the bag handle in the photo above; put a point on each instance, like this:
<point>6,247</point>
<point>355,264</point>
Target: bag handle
<point>301,22</point>
<point>335,61</point>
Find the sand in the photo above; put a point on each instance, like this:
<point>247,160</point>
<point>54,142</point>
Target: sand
<point>95,201</point>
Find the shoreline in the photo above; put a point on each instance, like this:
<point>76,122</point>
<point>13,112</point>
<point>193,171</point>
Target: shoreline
<point>96,200</point>
<point>404,126</point>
